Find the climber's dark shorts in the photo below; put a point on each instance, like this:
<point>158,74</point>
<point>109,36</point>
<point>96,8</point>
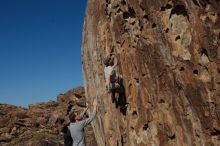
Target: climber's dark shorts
<point>114,86</point>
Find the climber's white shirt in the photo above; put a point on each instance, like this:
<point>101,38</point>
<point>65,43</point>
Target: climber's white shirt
<point>108,71</point>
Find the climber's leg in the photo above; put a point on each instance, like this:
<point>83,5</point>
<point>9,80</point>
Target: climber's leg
<point>113,91</point>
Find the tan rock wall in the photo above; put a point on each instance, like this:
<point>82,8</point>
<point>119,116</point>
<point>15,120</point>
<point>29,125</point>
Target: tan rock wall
<point>169,59</point>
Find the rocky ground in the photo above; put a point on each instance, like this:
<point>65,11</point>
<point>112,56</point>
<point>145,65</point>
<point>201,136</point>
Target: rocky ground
<point>41,124</point>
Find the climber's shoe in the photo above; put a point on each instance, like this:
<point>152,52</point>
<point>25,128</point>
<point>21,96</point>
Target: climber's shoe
<point>124,106</point>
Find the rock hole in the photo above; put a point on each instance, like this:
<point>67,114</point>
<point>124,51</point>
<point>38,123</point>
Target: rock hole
<point>117,42</point>
<point>213,14</point>
<point>154,25</point>
<point>167,30</point>
<point>168,6</point>
<point>107,1</point>
<point>195,72</point>
<point>36,125</point>
<point>162,9</point>
<point>138,36</point>
<point>141,28</point>
<point>133,23</point>
<point>179,10</point>
<point>203,51</point>
<point>116,6</point>
<point>146,17</point>
<point>126,15</point>
<point>132,12</point>
<point>172,137</point>
<point>119,10</point>
<point>218,70</point>
<point>126,30</point>
<point>182,69</point>
<point>215,132</point>
<point>206,68</point>
<point>123,2</point>
<point>132,128</point>
<point>142,8</point>
<point>197,135</point>
<point>196,2</point>
<point>177,38</point>
<point>161,101</point>
<point>145,127</point>
<point>137,80</point>
<point>134,113</point>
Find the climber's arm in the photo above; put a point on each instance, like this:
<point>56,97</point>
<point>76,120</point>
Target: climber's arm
<point>92,115</point>
<point>115,62</point>
<point>82,114</point>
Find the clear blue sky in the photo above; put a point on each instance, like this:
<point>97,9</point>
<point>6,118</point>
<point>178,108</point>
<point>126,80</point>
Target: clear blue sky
<point>40,49</point>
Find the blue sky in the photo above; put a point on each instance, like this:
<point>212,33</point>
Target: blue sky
<point>40,49</point>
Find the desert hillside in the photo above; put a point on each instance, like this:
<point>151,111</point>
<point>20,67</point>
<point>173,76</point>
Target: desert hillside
<point>41,124</point>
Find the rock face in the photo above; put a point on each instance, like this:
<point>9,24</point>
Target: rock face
<point>42,123</point>
<point>169,59</point>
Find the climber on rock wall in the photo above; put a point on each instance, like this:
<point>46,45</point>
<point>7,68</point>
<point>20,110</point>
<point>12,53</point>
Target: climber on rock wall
<point>111,82</point>
<point>77,125</point>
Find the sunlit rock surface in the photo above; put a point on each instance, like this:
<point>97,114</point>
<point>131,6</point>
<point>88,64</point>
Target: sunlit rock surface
<point>169,59</point>
<point>42,123</point>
